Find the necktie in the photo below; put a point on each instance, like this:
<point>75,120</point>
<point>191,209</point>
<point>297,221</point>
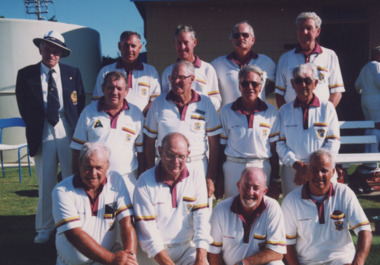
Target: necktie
<point>52,100</point>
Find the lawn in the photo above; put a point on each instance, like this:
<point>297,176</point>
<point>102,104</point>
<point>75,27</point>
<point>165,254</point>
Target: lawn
<point>18,202</point>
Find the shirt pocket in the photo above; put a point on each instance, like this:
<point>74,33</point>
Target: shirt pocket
<point>128,133</point>
<point>197,123</point>
<point>143,89</point>
<point>338,219</point>
<point>319,131</point>
<point>264,130</point>
<point>323,74</point>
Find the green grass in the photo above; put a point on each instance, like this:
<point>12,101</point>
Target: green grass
<point>18,203</point>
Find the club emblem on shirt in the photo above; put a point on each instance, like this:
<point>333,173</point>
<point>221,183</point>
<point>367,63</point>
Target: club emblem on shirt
<point>197,126</point>
<point>98,124</point>
<point>265,133</point>
<point>321,133</point>
<point>321,77</point>
<point>144,91</point>
<point>129,137</point>
<point>189,207</point>
<point>338,218</point>
<point>74,97</point>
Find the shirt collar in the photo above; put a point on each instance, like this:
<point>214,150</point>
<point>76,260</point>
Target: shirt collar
<point>314,102</point>
<point>160,178</point>
<point>195,97</point>
<point>238,106</point>
<point>306,195</point>
<point>121,65</point>
<point>317,49</point>
<point>45,70</point>
<point>78,183</point>
<point>252,55</point>
<point>197,61</point>
<point>238,209</point>
<point>102,105</point>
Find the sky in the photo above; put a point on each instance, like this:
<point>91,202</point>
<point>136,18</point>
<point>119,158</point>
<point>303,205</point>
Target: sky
<point>109,17</point>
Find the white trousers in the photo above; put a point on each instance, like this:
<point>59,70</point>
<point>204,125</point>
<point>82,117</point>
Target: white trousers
<point>232,172</point>
<point>55,149</point>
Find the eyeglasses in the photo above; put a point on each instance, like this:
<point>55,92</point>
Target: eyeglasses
<point>180,77</point>
<point>172,157</point>
<point>246,84</point>
<point>238,34</point>
<point>300,80</point>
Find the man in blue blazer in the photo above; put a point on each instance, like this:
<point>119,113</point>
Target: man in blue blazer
<point>50,97</point>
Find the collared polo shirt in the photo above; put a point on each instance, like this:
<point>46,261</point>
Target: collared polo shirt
<point>248,135</point>
<point>143,81</point>
<point>122,134</point>
<point>72,208</point>
<point>228,69</point>
<point>329,75</point>
<point>159,223</point>
<point>236,240</point>
<point>322,234</point>
<point>205,83</point>
<point>197,120</point>
<point>297,143</point>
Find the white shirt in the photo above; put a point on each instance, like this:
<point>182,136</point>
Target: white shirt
<point>45,80</point>
<point>246,140</point>
<point>228,232</point>
<point>159,222</point>
<point>72,209</point>
<point>368,81</point>
<point>206,81</point>
<point>329,76</point>
<point>228,71</point>
<point>297,143</point>
<point>145,84</point>
<point>124,140</point>
<point>199,120</point>
<point>318,243</point>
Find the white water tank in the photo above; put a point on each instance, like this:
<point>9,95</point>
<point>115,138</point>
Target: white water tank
<point>17,51</point>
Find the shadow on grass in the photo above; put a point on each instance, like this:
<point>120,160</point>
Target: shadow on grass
<point>17,246</point>
<point>27,193</point>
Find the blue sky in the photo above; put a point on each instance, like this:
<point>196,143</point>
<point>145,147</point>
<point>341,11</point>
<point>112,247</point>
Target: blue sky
<point>108,17</point>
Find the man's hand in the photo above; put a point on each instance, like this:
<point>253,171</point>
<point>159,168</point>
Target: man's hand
<point>210,187</point>
<point>274,190</point>
<point>201,258</point>
<point>301,172</point>
<point>124,258</point>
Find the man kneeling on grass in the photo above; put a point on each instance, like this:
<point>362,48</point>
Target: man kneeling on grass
<point>90,209</point>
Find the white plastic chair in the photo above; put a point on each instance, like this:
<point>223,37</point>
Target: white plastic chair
<point>7,123</point>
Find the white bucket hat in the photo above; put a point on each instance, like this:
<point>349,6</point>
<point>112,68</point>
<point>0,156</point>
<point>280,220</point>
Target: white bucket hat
<point>55,38</point>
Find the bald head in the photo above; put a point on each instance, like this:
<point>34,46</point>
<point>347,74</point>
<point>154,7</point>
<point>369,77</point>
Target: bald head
<point>254,171</point>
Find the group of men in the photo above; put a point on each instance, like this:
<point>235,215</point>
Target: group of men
<point>149,156</point>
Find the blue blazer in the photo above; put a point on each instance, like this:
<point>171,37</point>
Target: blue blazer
<point>31,104</point>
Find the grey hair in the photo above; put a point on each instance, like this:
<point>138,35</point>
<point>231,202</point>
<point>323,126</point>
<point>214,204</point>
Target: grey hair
<point>321,152</point>
<point>247,169</point>
<point>252,68</point>
<point>185,28</point>
<point>189,66</point>
<point>115,75</point>
<point>89,148</point>
<point>127,34</point>
<point>303,68</point>
<point>375,51</point>
<point>242,23</point>
<point>309,15</point>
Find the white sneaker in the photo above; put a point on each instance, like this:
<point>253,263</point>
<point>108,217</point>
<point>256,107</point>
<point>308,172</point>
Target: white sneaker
<point>42,237</point>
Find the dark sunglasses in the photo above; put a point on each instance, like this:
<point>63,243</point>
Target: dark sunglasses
<point>246,84</point>
<point>300,80</point>
<point>237,35</point>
